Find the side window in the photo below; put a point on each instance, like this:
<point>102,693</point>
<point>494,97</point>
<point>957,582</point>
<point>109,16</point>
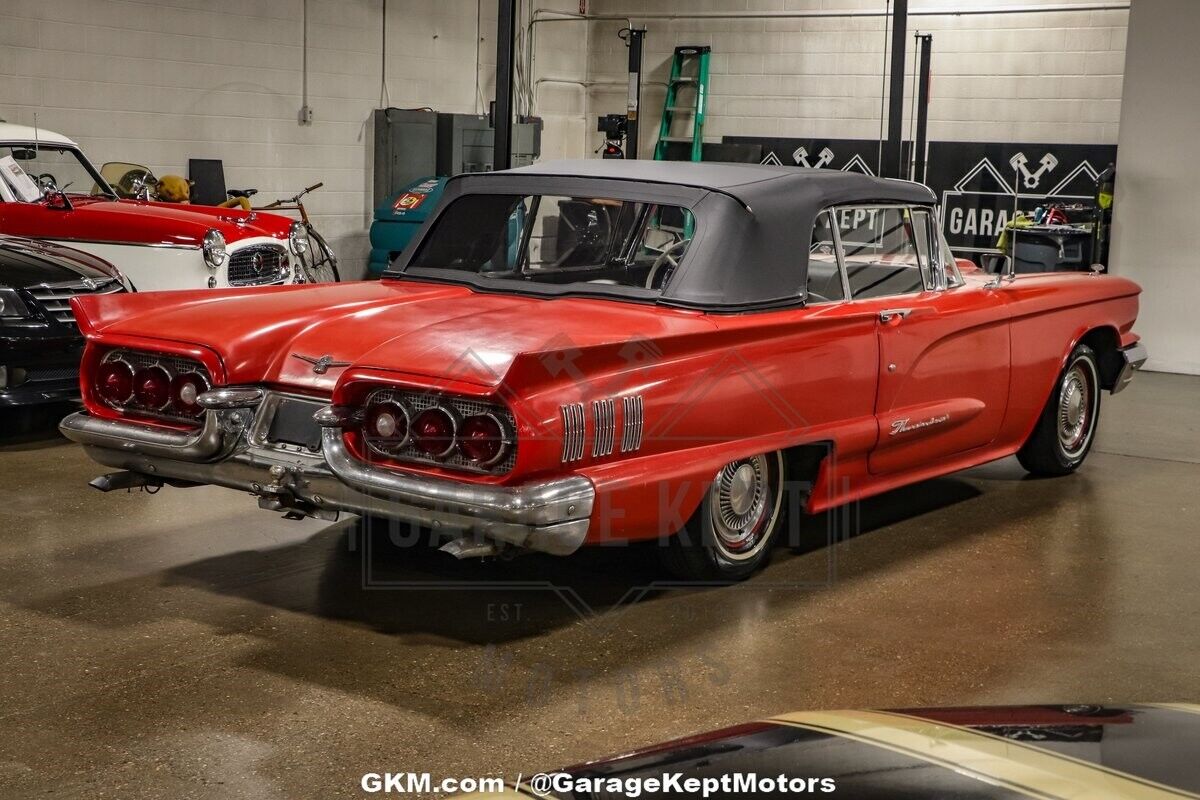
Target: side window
<point>883,254</point>
<point>824,278</point>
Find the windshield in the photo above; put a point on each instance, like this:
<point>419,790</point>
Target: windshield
<point>50,166</point>
<point>559,240</point>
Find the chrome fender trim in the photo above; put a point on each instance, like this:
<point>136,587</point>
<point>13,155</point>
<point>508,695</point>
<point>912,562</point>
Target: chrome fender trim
<point>1133,357</point>
<point>550,503</point>
<point>200,445</point>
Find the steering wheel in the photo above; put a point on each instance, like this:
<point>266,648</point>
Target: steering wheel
<point>668,258</point>
<point>134,182</point>
<point>46,181</point>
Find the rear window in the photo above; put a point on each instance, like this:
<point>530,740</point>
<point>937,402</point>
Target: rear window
<point>554,239</point>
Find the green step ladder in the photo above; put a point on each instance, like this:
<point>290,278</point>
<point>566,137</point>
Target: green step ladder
<point>689,72</point>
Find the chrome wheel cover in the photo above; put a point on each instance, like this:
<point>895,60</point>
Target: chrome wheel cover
<point>1077,408</point>
<point>743,504</point>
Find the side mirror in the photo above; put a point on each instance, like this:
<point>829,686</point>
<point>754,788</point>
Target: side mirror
<point>1000,264</point>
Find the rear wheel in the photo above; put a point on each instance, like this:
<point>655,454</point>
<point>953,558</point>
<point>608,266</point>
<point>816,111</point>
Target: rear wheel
<point>730,535</point>
<point>1065,431</point>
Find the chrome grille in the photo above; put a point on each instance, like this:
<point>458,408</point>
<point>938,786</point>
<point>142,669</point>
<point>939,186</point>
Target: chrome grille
<point>417,401</point>
<point>257,265</point>
<point>55,298</point>
<point>632,423</point>
<point>574,431</point>
<point>605,415</point>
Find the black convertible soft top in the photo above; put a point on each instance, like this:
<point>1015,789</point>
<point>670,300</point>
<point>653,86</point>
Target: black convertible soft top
<point>744,182</point>
<point>753,221</point>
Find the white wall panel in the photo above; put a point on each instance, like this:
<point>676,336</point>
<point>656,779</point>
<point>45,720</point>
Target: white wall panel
<point>1155,236</point>
<point>822,77</point>
<point>161,82</point>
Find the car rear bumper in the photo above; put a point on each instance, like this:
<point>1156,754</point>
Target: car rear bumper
<point>549,516</point>
<point>1132,359</point>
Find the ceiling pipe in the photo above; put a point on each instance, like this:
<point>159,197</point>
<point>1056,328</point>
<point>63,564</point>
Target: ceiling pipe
<point>554,15</point>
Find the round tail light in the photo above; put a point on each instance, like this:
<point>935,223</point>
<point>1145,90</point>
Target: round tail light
<point>114,382</point>
<point>386,426</point>
<point>152,387</point>
<point>433,432</point>
<point>184,391</point>
<point>481,439</point>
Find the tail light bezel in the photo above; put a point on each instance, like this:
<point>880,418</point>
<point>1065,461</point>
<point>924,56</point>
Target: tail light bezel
<point>458,408</point>
<point>382,444</point>
<point>139,361</point>
<point>506,439</point>
<point>453,420</point>
<point>98,383</point>
<point>202,385</point>
<point>141,379</point>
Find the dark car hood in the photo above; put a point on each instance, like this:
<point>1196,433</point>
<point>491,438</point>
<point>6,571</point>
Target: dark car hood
<point>28,262</point>
<point>1145,751</point>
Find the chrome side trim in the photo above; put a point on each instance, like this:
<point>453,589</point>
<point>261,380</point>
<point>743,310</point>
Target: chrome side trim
<point>574,420</point>
<point>122,243</point>
<point>632,422</point>
<point>200,445</point>
<point>605,415</point>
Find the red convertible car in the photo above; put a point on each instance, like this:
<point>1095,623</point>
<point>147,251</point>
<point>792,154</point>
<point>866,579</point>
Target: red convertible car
<point>50,191</point>
<point>581,352</point>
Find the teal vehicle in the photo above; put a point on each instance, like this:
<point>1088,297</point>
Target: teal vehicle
<point>398,219</point>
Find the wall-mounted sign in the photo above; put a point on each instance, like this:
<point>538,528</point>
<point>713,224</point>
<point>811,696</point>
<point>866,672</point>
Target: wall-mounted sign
<point>856,155</point>
<point>977,183</point>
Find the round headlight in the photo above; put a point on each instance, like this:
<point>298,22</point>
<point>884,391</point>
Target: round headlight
<point>298,238</point>
<point>214,248</point>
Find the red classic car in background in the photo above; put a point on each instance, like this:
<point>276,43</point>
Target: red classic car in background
<point>580,352</point>
<point>49,190</point>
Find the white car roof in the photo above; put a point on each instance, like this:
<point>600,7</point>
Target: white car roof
<point>26,133</point>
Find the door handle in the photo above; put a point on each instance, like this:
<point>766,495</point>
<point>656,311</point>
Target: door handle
<point>887,315</point>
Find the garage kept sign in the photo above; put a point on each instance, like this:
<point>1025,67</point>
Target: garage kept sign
<point>975,182</point>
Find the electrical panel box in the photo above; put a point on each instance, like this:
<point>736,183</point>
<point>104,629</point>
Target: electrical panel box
<point>466,143</point>
<point>413,145</point>
<point>405,149</point>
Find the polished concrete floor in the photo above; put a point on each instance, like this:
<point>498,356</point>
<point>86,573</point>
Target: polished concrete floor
<point>189,645</point>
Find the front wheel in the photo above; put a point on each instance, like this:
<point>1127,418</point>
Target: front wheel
<point>1065,431</point>
<point>730,535</point>
<point>319,264</point>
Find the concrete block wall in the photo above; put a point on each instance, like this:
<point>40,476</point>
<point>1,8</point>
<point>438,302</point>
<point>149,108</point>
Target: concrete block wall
<point>1052,77</point>
<point>162,81</point>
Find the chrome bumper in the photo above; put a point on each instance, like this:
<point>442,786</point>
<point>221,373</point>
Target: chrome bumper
<point>550,516</point>
<point>1132,359</point>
